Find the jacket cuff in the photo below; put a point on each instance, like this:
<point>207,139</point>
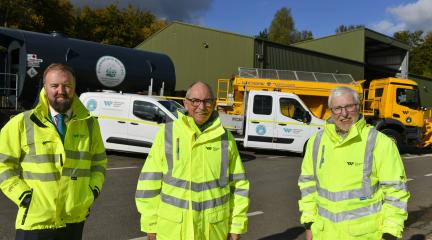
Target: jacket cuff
<point>388,236</point>
<point>308,225</point>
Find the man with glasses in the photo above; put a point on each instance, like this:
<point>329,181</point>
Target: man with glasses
<point>352,181</point>
<point>193,184</point>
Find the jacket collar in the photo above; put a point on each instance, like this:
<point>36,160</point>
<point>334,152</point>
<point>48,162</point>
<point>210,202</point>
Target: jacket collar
<point>354,132</point>
<point>212,129</point>
<point>41,111</point>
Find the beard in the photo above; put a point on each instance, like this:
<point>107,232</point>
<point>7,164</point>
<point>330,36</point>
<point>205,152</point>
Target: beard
<point>61,106</point>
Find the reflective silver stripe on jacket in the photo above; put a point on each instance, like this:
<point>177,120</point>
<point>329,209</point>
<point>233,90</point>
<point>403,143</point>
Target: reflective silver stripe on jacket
<point>44,177</point>
<point>398,185</point>
<point>366,190</point>
<point>150,176</point>
<point>308,190</point>
<point>7,159</point>
<point>147,193</point>
<point>6,175</point>
<point>195,186</point>
<point>197,206</point>
<point>240,192</point>
<point>350,214</point>
<point>395,202</point>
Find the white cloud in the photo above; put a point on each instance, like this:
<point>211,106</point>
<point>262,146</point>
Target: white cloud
<point>411,16</point>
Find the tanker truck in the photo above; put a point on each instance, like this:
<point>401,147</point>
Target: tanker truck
<point>24,55</point>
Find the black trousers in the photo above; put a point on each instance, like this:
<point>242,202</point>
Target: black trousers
<point>72,231</point>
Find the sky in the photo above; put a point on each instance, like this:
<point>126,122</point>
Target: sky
<point>322,17</point>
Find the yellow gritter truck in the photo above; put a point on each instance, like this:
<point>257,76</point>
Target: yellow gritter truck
<point>390,104</point>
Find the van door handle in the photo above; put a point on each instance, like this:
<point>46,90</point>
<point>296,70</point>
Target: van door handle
<point>121,121</point>
<point>255,122</point>
<point>134,123</point>
<point>282,124</point>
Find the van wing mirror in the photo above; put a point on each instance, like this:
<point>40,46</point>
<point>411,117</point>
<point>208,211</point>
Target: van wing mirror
<point>307,118</point>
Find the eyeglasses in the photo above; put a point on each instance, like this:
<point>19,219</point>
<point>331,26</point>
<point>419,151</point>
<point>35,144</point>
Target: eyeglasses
<point>348,108</point>
<point>196,102</point>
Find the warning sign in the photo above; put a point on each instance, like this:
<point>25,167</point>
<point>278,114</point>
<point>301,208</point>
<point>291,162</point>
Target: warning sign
<point>33,61</point>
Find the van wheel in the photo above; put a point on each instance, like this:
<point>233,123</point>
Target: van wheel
<point>394,136</point>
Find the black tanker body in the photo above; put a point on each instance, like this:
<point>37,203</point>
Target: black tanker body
<point>97,66</point>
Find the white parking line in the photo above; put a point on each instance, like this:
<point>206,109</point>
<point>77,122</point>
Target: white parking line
<point>428,175</point>
<point>254,213</point>
<point>417,156</point>
<point>275,157</point>
<point>409,179</point>
<point>140,238</point>
<point>121,168</point>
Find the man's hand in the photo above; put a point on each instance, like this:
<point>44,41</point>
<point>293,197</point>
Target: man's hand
<point>233,236</point>
<point>151,236</point>
<point>308,234</point>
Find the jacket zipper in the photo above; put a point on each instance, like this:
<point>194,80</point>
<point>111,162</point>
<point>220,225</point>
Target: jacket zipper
<point>61,160</point>
<point>322,156</point>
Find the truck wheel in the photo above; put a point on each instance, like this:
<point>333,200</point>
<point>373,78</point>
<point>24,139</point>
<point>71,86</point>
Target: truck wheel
<point>394,136</point>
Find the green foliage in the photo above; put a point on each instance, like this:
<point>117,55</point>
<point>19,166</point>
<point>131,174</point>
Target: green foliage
<point>282,29</point>
<point>421,51</point>
<point>36,15</point>
<point>110,25</point>
<point>343,28</point>
<point>263,34</point>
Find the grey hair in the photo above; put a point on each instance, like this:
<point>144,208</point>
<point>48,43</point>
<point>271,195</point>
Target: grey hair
<point>200,82</point>
<point>339,91</point>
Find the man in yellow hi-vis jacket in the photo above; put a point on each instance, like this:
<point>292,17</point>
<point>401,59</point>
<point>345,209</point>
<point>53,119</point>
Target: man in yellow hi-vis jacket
<point>352,181</point>
<point>193,184</point>
<point>52,161</point>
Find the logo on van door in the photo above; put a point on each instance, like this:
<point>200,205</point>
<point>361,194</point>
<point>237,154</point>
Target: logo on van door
<point>260,129</point>
<point>91,105</point>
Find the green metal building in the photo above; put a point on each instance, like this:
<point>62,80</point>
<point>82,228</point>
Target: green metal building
<point>206,54</point>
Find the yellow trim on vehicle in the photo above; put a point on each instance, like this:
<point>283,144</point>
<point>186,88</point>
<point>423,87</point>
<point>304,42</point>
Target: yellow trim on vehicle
<point>292,123</point>
<point>128,120</point>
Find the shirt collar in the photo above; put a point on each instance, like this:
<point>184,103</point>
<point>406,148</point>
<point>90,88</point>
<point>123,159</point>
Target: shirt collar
<point>54,113</point>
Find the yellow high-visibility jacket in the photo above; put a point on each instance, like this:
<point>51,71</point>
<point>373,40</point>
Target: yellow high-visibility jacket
<point>193,184</point>
<point>353,188</point>
<point>59,176</point>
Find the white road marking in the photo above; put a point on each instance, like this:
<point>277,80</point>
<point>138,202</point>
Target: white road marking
<point>428,175</point>
<point>417,156</point>
<point>255,213</point>
<point>275,157</point>
<point>140,238</point>
<point>409,179</point>
<point>121,168</point>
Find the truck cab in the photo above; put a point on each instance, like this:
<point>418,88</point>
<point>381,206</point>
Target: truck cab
<point>129,122</point>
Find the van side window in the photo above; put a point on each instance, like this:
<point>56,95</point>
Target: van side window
<point>262,105</point>
<point>292,108</point>
<point>148,111</point>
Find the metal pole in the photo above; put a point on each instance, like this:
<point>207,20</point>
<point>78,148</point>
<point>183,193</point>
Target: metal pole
<point>150,89</point>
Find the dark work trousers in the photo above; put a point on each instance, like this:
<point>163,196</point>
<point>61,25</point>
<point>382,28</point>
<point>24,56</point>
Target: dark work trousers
<point>72,231</point>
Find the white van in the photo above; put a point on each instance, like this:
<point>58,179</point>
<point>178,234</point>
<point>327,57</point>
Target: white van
<point>129,122</point>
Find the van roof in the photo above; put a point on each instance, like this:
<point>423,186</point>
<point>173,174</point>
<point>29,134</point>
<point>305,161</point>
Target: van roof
<point>154,97</point>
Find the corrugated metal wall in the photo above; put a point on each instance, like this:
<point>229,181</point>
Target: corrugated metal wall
<point>200,53</point>
<point>276,56</point>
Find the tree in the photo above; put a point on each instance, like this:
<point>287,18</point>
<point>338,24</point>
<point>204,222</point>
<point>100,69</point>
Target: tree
<point>420,52</point>
<point>302,36</point>
<point>263,34</point>
<point>343,28</point>
<point>282,27</point>
<point>37,15</point>
<point>110,25</point>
